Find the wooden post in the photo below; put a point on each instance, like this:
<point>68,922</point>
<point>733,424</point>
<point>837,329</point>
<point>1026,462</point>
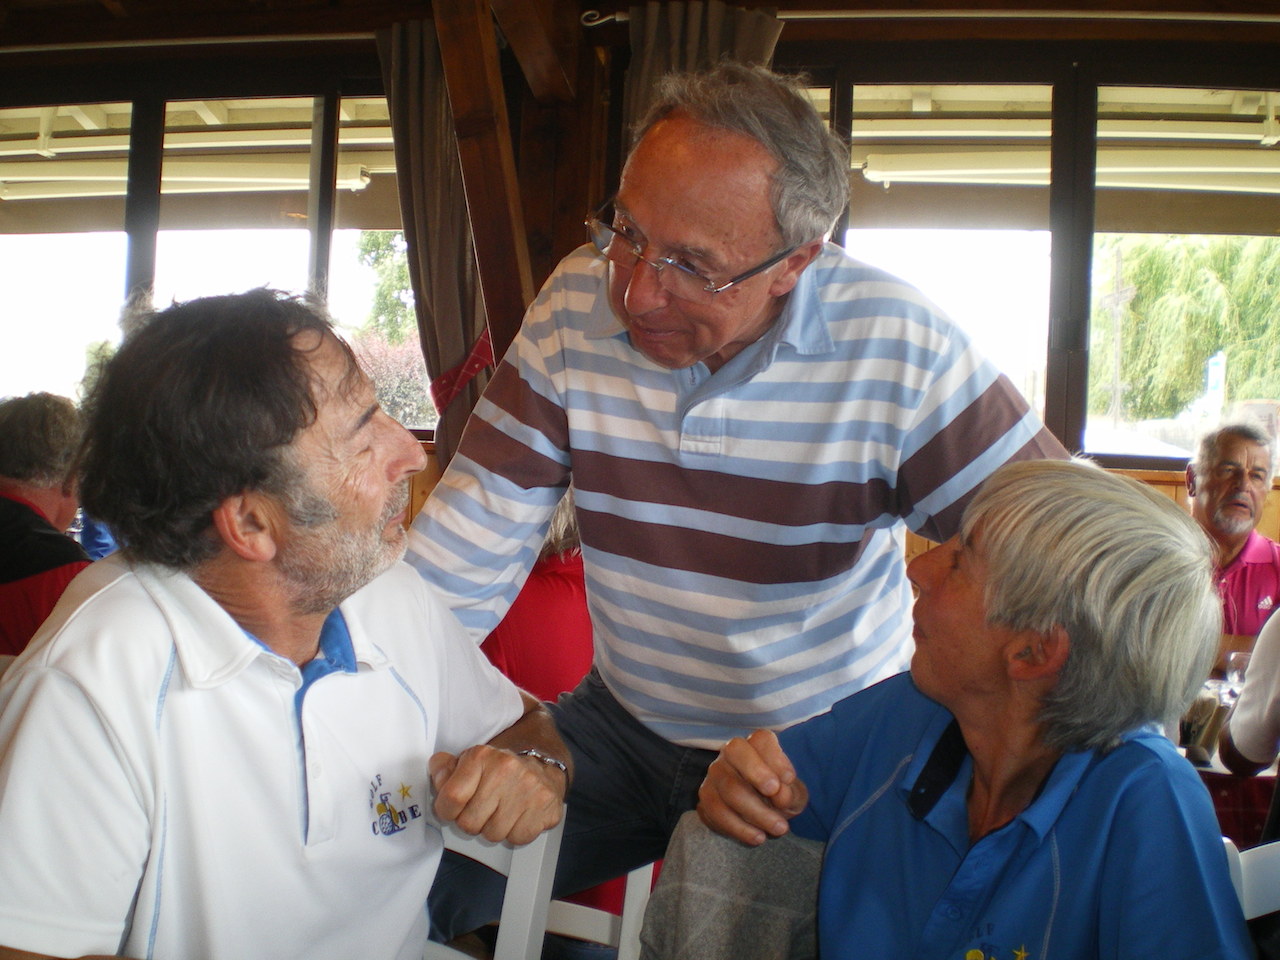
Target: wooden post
<point>469,54</point>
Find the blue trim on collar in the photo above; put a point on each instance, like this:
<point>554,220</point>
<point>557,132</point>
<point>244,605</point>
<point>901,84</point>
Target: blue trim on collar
<point>336,654</point>
<point>941,757</point>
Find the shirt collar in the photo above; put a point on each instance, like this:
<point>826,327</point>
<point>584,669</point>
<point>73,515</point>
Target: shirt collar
<point>335,653</point>
<point>802,324</point>
<point>23,501</point>
<point>1255,550</point>
<point>942,754</point>
<point>213,648</point>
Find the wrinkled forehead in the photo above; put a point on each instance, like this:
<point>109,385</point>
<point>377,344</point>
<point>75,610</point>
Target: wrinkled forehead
<point>333,368</point>
<point>1245,451</point>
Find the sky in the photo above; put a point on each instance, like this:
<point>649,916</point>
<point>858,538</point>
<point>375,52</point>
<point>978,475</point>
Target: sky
<point>64,291</point>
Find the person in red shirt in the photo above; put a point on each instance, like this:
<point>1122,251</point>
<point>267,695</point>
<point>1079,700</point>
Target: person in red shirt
<point>544,645</point>
<point>39,435</point>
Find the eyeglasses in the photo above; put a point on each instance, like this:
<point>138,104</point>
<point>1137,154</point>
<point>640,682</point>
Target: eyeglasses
<point>626,249</point>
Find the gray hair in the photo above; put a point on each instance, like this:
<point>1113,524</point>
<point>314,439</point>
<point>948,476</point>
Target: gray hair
<point>562,533</point>
<point>811,185</point>
<point>1209,450</point>
<point>39,436</point>
<point>1123,570</point>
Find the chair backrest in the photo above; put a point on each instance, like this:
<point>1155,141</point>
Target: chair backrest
<point>601,926</point>
<point>1260,879</point>
<point>529,870</point>
<point>1233,866</point>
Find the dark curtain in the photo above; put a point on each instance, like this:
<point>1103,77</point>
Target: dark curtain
<point>689,36</point>
<point>433,208</point>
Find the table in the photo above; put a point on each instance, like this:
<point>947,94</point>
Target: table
<point>1242,803</point>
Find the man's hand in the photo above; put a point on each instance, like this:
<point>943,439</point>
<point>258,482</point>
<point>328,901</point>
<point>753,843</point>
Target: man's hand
<point>751,790</point>
<point>489,789</point>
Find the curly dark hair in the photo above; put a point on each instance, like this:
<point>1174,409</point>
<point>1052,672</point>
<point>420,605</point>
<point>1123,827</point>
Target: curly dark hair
<point>39,434</point>
<point>201,402</point>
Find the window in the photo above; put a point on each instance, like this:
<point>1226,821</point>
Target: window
<point>1185,275</point>
<point>63,171</point>
<point>1102,219</point>
<point>241,204</point>
<point>950,192</point>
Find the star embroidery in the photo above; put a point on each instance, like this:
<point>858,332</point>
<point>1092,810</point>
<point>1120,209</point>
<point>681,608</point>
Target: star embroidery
<point>404,792</point>
<point>1020,953</point>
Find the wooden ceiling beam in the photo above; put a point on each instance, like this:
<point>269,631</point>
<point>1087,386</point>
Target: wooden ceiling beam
<point>473,78</point>
<point>543,35</point>
<point>59,24</point>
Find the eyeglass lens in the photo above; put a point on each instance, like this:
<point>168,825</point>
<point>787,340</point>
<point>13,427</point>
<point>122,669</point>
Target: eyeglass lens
<point>678,280</point>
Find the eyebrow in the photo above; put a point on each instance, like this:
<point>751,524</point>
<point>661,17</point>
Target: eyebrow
<point>364,419</point>
<point>714,265</point>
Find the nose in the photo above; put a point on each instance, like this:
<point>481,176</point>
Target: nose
<point>644,291</point>
<point>407,456</point>
<point>925,567</point>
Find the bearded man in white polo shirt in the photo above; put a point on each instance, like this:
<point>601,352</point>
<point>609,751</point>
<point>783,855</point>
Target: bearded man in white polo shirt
<point>232,739</point>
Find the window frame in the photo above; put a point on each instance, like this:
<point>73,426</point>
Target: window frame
<point>150,77</point>
<point>1074,70</point>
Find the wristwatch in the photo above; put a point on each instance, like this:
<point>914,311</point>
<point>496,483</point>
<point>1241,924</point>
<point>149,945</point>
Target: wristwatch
<point>550,761</point>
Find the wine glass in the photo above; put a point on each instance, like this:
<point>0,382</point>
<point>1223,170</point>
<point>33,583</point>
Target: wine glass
<point>1237,664</point>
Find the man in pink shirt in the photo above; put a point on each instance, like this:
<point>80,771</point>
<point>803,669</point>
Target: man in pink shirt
<point>1227,483</point>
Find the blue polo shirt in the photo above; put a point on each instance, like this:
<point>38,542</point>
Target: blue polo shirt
<point>1119,856</point>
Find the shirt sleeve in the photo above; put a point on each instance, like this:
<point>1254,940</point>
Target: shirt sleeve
<point>970,421</point>
<point>874,734</point>
<point>476,701</point>
<point>1255,722</point>
<point>482,527</point>
<point>74,830</point>
<point>1165,890</point>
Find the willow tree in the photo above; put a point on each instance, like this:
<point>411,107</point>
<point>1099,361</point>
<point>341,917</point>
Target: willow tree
<point>1189,298</point>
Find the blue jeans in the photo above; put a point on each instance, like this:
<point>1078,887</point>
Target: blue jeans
<point>630,786</point>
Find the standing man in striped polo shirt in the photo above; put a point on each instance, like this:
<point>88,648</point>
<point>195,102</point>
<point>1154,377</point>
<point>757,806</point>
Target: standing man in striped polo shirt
<point>749,418</point>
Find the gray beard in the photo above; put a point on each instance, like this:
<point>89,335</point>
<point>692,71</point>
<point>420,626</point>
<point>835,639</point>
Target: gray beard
<point>1231,525</point>
<point>323,565</point>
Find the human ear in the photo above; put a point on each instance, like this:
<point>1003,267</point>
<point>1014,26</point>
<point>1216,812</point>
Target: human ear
<point>794,264</point>
<point>1035,655</point>
<point>1191,482</point>
<point>246,525</point>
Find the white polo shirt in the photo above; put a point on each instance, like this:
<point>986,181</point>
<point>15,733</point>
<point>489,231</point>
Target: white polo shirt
<point>163,793</point>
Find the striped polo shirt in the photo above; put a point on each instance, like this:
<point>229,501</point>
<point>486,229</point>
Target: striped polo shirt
<point>741,530</point>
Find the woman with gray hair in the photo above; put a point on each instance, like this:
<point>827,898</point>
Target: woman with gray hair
<point>1013,795</point>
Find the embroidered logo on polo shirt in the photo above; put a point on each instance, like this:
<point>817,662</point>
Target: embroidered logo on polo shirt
<point>1266,603</point>
<point>975,954</point>
<point>388,817</point>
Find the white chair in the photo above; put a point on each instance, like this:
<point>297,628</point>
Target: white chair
<point>1260,879</point>
<point>529,871</point>
<point>601,926</point>
<point>1233,866</point>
